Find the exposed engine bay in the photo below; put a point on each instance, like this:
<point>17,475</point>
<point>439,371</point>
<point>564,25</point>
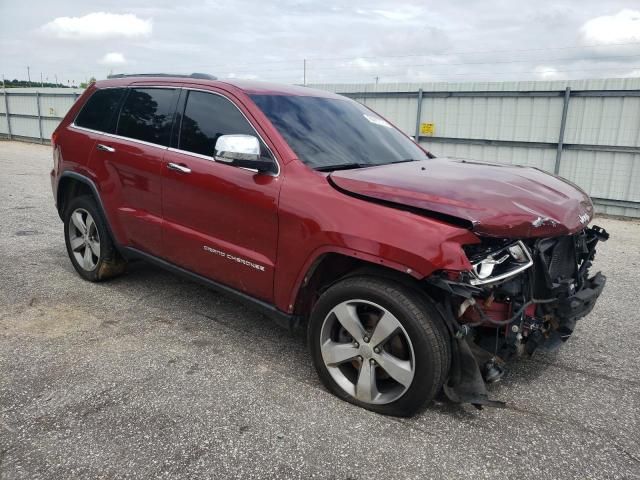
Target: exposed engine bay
<point>520,297</point>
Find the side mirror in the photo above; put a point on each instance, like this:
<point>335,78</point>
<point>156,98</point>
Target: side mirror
<point>241,151</point>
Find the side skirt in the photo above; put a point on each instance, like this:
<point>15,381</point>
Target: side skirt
<point>290,322</point>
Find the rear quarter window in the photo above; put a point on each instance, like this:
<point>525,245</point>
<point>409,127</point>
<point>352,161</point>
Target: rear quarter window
<point>147,115</point>
<point>98,112</point>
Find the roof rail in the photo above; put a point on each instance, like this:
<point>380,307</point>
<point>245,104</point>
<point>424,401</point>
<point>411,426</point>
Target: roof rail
<point>199,76</point>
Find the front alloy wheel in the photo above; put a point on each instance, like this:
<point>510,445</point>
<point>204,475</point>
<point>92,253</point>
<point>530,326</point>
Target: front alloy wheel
<point>379,344</point>
<point>367,351</point>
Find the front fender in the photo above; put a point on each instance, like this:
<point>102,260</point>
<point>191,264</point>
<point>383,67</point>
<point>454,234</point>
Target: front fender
<point>447,255</point>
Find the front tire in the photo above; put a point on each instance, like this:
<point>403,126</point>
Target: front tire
<point>376,343</point>
<point>88,242</point>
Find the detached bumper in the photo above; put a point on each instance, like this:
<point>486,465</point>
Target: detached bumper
<point>577,306</point>
<point>567,312</point>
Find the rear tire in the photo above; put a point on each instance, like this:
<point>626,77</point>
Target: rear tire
<point>377,344</point>
<point>89,244</point>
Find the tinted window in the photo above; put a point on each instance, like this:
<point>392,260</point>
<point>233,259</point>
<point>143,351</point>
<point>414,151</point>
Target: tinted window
<point>326,132</point>
<point>146,115</point>
<point>99,109</point>
<point>206,117</point>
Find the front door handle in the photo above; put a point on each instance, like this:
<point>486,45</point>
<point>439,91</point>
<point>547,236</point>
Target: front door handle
<point>178,168</point>
<point>105,148</point>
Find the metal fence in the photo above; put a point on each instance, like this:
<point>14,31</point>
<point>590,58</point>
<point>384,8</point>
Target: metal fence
<point>34,113</point>
<point>586,131</point>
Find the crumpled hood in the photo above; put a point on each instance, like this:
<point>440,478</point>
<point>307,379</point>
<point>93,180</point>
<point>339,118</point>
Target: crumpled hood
<point>495,200</point>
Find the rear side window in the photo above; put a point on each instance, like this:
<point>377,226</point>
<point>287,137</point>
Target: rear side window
<point>206,117</point>
<point>98,112</point>
<point>146,115</point>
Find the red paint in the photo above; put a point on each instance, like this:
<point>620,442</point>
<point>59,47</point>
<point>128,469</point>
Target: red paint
<point>229,209</point>
<point>132,180</point>
<point>496,311</point>
<point>500,200</point>
<point>221,221</point>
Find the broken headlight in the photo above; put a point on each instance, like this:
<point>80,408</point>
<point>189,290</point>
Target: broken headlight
<point>494,263</point>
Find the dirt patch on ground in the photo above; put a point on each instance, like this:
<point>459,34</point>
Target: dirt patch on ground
<point>48,321</point>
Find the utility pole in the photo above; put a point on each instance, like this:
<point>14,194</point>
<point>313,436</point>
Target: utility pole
<point>304,71</point>
<point>3,87</point>
<point>41,81</point>
<point>56,75</point>
<point>377,78</point>
<point>29,75</point>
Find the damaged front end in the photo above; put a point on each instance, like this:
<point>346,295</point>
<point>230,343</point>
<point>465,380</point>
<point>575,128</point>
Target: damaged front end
<point>519,297</point>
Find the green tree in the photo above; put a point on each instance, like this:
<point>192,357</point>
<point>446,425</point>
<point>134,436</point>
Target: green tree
<point>86,84</point>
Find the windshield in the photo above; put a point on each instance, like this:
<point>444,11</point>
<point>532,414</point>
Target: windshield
<point>328,133</point>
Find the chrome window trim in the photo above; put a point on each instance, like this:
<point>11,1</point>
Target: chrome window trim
<point>191,154</point>
<point>211,159</point>
<point>120,137</point>
<point>177,150</point>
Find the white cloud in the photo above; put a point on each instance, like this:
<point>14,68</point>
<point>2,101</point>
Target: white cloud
<point>399,15</point>
<point>364,64</point>
<point>624,26</point>
<point>547,73</point>
<point>98,25</point>
<point>452,41</point>
<point>242,76</point>
<point>113,59</point>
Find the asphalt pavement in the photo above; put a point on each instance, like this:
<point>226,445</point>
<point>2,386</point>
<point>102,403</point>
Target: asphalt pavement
<point>152,376</point>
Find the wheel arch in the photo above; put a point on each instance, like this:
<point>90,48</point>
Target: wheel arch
<point>73,184</point>
<point>329,267</point>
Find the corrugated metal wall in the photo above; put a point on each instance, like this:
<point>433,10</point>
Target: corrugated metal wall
<point>505,122</point>
<point>33,109</point>
<point>520,123</point>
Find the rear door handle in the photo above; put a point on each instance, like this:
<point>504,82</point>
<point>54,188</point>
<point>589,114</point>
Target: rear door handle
<point>105,148</point>
<point>178,168</point>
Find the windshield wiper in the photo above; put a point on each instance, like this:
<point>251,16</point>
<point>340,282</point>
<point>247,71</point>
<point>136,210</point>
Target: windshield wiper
<point>405,160</point>
<point>341,166</point>
<point>348,166</point>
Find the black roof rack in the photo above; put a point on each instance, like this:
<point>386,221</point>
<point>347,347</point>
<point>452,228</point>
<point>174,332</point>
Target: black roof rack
<point>199,76</point>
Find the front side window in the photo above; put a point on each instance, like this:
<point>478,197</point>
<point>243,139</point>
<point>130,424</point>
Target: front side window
<point>146,115</point>
<point>330,133</point>
<point>98,112</point>
<point>206,117</point>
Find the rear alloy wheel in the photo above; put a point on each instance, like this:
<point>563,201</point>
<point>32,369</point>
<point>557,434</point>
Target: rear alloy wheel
<point>376,343</point>
<point>84,239</point>
<point>89,244</point>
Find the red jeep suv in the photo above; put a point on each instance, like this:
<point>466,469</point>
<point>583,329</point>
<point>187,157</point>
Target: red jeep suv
<point>411,274</point>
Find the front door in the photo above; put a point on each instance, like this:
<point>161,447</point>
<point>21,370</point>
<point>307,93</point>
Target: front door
<point>220,221</point>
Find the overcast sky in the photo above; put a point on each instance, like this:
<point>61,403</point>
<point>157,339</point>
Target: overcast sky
<point>353,41</point>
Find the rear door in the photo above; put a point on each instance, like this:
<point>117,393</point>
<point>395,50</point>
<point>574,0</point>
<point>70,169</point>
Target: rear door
<point>96,117</point>
<point>130,162</point>
<point>220,221</point>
